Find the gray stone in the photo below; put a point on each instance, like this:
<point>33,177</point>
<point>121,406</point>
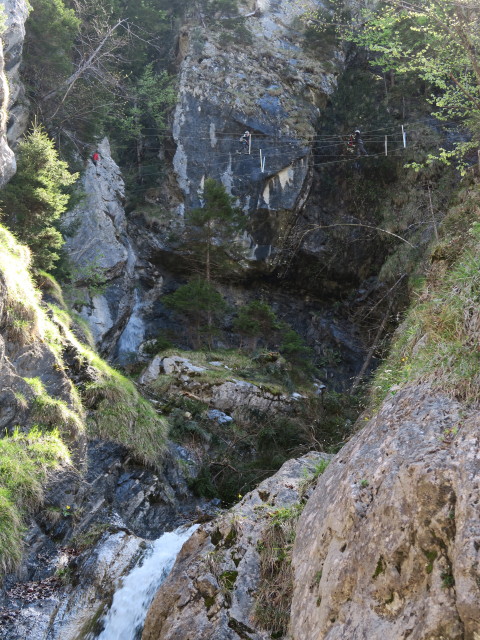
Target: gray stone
<point>103,257</point>
<point>219,416</point>
<point>387,545</point>
<point>189,604</point>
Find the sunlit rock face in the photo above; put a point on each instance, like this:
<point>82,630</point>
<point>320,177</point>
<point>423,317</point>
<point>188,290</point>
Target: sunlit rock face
<point>100,251</point>
<point>259,76</point>
<point>193,602</point>
<point>387,547</point>
<point>7,158</point>
<point>16,12</point>
<point>13,112</point>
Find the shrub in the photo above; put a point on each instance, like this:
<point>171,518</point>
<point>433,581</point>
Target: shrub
<point>201,306</point>
<point>256,321</point>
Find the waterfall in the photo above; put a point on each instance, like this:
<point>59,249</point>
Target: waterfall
<point>125,619</point>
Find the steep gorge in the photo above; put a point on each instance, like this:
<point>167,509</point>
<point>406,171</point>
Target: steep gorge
<point>386,544</point>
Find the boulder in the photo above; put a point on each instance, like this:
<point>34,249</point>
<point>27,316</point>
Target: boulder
<point>387,546</point>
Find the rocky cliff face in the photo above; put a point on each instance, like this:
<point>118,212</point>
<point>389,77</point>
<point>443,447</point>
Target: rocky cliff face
<point>210,594</point>
<point>387,547</point>
<point>254,73</point>
<point>16,13</point>
<point>30,364</point>
<point>101,253</point>
<point>12,114</point>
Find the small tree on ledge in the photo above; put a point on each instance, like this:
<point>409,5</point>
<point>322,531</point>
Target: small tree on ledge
<point>212,231</point>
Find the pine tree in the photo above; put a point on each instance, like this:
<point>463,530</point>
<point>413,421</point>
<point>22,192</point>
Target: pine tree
<point>200,306</point>
<point>212,232</point>
<point>35,198</point>
<point>255,321</point>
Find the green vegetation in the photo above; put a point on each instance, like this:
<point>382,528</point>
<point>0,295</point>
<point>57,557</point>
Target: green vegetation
<point>274,596</point>
<point>48,59</point>
<point>437,340</point>
<point>436,42</point>
<point>212,231</point>
<point>116,410</point>
<point>25,461</point>
<point>119,413</point>
<point>82,86</point>
<point>200,307</point>
<point>431,556</point>
<point>255,321</point>
<point>54,413</point>
<point>22,320</point>
<point>380,568</point>
<point>448,580</point>
<point>35,198</point>
<point>256,443</point>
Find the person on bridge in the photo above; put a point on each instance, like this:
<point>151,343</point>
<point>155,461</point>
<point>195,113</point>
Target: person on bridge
<point>359,146</point>
<point>245,140</point>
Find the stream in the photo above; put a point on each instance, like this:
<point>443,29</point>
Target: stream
<point>126,616</point>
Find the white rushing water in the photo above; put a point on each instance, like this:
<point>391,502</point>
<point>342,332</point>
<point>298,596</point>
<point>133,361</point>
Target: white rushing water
<point>131,601</point>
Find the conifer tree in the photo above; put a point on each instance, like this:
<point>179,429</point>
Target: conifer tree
<point>35,198</point>
<point>200,306</point>
<point>212,232</point>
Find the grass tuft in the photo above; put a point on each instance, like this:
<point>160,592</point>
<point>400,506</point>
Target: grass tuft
<point>25,461</point>
<point>274,596</point>
<point>119,413</point>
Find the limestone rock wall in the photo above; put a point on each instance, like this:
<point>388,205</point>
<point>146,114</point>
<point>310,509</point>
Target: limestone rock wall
<point>269,84</point>
<point>388,545</point>
<point>100,252</point>
<point>18,111</point>
<point>7,159</point>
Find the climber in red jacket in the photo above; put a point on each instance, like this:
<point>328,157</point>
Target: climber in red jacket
<point>95,158</point>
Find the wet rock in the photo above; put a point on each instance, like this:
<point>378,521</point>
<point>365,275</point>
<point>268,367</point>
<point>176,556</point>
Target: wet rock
<point>387,545</point>
<point>75,557</point>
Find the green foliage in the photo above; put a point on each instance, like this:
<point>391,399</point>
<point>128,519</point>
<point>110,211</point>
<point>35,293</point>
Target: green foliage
<point>25,461</point>
<point>431,556</point>
<point>256,321</point>
<point>293,347</point>
<point>380,568</point>
<point>22,320</point>
<point>54,413</point>
<point>35,198</point>
<point>212,232</point>
<point>80,80</point>
<point>51,31</point>
<point>200,307</point>
<point>437,42</point>
<point>448,581</point>
<point>119,413</point>
<point>436,340</point>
